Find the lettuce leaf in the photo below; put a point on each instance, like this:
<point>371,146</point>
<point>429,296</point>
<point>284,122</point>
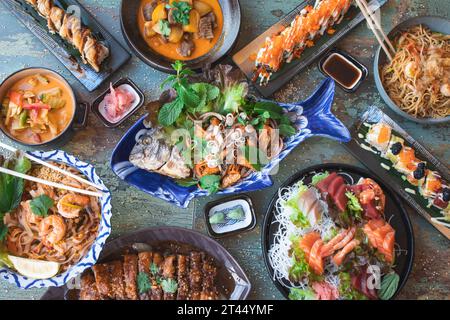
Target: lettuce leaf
<point>302,294</point>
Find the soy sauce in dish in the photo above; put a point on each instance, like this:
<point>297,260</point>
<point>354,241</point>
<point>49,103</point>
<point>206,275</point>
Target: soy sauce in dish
<point>346,73</point>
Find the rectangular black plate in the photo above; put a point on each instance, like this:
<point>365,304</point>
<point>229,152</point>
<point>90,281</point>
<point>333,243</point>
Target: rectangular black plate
<point>393,178</point>
<point>289,70</point>
<point>65,52</point>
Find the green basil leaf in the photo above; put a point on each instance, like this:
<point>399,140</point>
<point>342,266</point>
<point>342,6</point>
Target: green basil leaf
<point>164,26</point>
<point>40,205</point>
<point>389,285</point>
<point>287,130</point>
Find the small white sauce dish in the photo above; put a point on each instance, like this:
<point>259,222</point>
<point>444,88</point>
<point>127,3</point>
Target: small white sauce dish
<point>98,107</point>
<point>228,216</point>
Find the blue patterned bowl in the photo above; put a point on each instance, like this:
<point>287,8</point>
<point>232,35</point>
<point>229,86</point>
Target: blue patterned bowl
<point>314,118</point>
<point>104,231</point>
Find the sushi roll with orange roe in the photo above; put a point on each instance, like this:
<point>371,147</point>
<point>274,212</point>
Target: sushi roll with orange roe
<point>379,136</point>
<point>432,186</point>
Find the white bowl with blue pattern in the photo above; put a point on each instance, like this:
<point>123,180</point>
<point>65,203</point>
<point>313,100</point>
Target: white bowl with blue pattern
<point>104,230</point>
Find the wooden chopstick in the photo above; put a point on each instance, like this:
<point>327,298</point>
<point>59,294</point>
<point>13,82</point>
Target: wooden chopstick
<point>371,24</point>
<point>377,24</point>
<point>50,183</point>
<point>51,166</point>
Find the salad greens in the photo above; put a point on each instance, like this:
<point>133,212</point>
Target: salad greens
<point>346,290</point>
<point>302,294</point>
<point>319,177</point>
<point>297,217</point>
<point>353,206</point>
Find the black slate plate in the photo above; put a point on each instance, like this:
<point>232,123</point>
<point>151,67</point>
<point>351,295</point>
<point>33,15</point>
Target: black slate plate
<point>373,162</point>
<point>65,52</point>
<point>226,262</point>
<point>395,213</point>
<point>231,26</point>
<point>243,58</point>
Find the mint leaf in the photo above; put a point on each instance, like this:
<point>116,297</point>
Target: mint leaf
<point>210,183</point>
<point>170,112</point>
<point>40,205</point>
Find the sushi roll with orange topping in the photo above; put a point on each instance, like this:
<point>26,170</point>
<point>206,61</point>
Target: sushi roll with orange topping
<point>379,136</point>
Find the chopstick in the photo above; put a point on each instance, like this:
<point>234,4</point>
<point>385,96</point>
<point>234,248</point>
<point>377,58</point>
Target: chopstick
<point>51,166</point>
<point>376,28</point>
<point>50,183</point>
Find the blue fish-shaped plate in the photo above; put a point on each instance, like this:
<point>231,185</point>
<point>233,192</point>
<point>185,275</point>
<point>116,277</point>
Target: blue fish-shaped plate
<point>314,118</point>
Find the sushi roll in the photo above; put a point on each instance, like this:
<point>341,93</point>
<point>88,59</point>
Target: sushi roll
<point>288,44</point>
<point>379,136</point>
<point>417,177</point>
<point>432,186</point>
<point>442,199</point>
<point>407,162</point>
<point>395,146</point>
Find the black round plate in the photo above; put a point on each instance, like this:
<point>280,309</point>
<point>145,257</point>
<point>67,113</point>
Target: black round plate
<point>117,247</point>
<point>395,213</point>
<point>231,26</point>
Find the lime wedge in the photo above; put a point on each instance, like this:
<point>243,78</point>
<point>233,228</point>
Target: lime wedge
<point>35,269</point>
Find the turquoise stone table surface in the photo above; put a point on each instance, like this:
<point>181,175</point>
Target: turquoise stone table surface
<point>133,209</point>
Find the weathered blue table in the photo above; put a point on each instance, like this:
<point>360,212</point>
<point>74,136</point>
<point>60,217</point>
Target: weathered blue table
<point>430,278</point>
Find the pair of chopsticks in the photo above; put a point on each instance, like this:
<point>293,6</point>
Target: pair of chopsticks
<point>376,28</point>
<point>55,168</point>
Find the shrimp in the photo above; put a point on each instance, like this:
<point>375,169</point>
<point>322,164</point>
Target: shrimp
<point>52,230</point>
<point>71,205</point>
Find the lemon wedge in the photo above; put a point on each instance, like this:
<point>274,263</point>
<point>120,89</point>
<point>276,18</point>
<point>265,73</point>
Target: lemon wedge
<point>35,269</point>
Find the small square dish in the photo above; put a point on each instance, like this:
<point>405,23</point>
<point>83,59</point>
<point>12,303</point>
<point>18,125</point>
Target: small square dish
<point>348,72</point>
<point>230,215</point>
<point>126,91</point>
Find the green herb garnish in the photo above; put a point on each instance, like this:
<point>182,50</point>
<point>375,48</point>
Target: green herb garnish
<point>40,205</point>
<point>164,27</point>
<point>143,283</point>
<point>389,285</point>
<point>181,12</point>
<point>169,286</point>
<point>211,183</point>
<point>11,190</point>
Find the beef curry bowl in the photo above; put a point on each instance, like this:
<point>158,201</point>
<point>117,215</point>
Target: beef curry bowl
<point>199,32</point>
<point>37,106</point>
